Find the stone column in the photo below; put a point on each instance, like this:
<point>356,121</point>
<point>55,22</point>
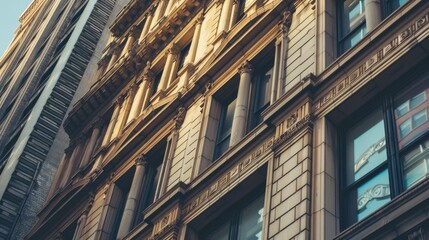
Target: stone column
<point>171,57</point>
<point>91,144</point>
<point>169,7</point>
<point>234,13</point>
<point>115,56</point>
<point>70,151</point>
<point>194,45</point>
<point>116,128</point>
<point>284,28</point>
<point>58,176</point>
<point>148,77</point>
<point>372,14</point>
<point>146,27</point>
<point>130,40</point>
<point>136,101</point>
<point>276,70</point>
<point>131,205</point>
<point>111,126</point>
<point>239,122</point>
<point>128,104</point>
<point>159,13</point>
<point>225,16</point>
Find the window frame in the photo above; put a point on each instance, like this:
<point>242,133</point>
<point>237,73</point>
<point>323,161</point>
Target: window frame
<point>232,214</point>
<point>386,10</point>
<point>394,163</point>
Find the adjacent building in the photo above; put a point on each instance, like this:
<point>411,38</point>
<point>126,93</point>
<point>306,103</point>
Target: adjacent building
<point>53,55</point>
<point>251,119</point>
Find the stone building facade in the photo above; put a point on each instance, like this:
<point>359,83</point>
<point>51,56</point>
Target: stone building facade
<point>57,44</point>
<point>251,119</point>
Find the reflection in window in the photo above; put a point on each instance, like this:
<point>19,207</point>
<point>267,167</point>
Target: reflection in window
<point>416,164</point>
<point>366,147</point>
<point>353,26</point>
<point>368,184</point>
<point>373,194</point>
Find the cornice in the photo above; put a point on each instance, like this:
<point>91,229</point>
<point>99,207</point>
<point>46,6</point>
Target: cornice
<point>128,15</point>
<point>124,68</point>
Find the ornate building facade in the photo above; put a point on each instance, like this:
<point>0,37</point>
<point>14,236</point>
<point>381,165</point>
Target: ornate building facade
<point>251,119</point>
<point>57,44</point>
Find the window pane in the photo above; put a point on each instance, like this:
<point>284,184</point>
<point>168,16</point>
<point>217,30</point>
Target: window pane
<point>354,14</point>
<point>416,164</point>
<point>250,225</point>
<point>366,146</point>
<point>373,194</point>
<point>220,233</point>
<point>354,38</point>
<point>411,113</point>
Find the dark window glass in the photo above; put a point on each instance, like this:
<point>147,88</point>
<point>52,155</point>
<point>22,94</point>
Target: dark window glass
<point>183,55</point>
<point>225,125</point>
<point>352,23</point>
<point>262,93</point>
<point>242,222</point>
<point>156,82</point>
<point>376,148</point>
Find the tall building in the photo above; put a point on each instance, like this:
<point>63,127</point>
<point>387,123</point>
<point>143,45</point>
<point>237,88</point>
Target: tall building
<point>53,55</point>
<point>251,119</point>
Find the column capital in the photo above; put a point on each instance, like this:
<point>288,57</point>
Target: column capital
<point>142,160</point>
<point>245,67</point>
<point>134,30</point>
<point>200,19</point>
<point>148,75</point>
<point>174,49</point>
<point>120,99</point>
<point>286,21</point>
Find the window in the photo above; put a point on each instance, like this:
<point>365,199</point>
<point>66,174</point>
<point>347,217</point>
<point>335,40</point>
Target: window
<point>225,125</point>
<point>157,81</point>
<point>352,20</point>
<point>183,55</point>
<point>386,152</point>
<point>120,193</point>
<point>262,93</point>
<point>241,222</point>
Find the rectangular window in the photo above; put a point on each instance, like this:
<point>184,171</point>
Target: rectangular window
<point>262,92</point>
<point>377,149</point>
<point>225,125</point>
<point>183,55</point>
<point>352,20</point>
<point>242,222</point>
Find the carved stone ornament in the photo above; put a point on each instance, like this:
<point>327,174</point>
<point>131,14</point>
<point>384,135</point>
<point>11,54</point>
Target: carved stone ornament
<point>174,49</point>
<point>286,21</point>
<point>142,160</point>
<point>180,117</point>
<point>246,67</point>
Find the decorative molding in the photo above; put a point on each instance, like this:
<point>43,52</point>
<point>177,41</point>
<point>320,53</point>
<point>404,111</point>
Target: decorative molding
<point>356,75</point>
<point>245,67</point>
<point>142,160</point>
<point>166,223</point>
<point>174,49</point>
<point>292,130</point>
<point>286,21</point>
<point>180,117</point>
<point>230,176</point>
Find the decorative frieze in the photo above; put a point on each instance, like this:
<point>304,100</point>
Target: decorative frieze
<point>242,167</point>
<point>165,223</point>
<point>357,74</point>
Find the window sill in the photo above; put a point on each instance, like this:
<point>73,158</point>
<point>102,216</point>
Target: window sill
<point>407,210</point>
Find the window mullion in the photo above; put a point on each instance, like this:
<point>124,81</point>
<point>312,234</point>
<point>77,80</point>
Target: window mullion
<point>394,166</point>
